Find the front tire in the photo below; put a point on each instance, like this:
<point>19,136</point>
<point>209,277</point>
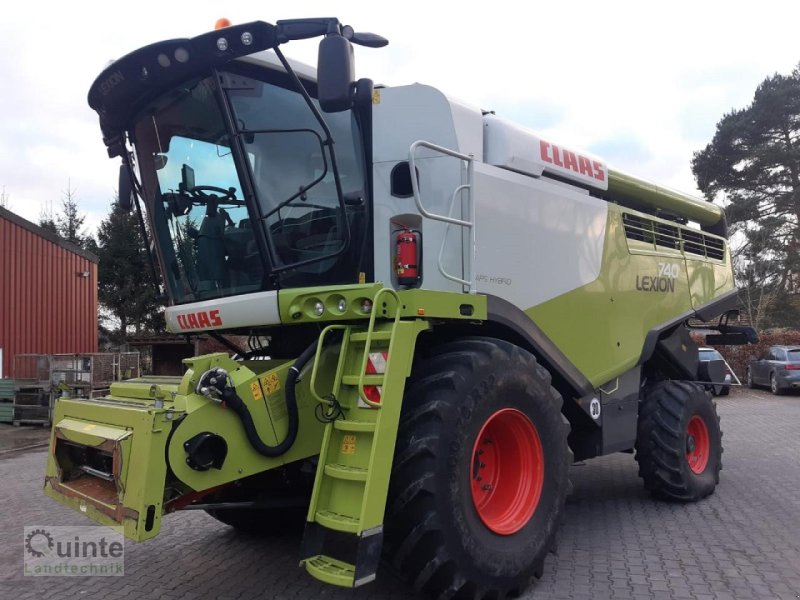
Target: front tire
<point>480,471</point>
<point>679,442</point>
<point>750,383</point>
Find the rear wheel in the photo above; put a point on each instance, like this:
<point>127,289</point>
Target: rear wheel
<point>750,383</point>
<point>480,471</point>
<point>679,442</point>
<point>773,385</point>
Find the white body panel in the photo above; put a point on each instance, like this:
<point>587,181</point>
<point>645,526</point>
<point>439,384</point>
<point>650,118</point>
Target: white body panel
<point>514,147</point>
<point>401,116</point>
<point>246,310</point>
<point>535,238</point>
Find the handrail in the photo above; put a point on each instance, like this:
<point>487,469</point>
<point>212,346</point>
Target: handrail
<point>470,224</point>
<point>312,386</point>
<point>368,343</point>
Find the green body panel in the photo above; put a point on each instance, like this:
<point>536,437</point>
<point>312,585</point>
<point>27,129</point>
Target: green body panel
<point>261,386</point>
<point>135,435</point>
<point>297,305</point>
<point>654,196</point>
<point>709,279</point>
<point>445,305</point>
<point>601,327</point>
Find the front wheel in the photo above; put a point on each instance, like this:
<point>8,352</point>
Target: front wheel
<point>679,442</point>
<point>480,471</point>
<point>750,383</point>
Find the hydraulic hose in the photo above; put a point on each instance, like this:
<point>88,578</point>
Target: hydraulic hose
<point>234,402</point>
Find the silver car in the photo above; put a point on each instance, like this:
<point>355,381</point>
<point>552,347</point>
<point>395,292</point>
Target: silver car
<point>779,368</point>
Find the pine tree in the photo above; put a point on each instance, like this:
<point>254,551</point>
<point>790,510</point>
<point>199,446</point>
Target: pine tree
<point>753,166</point>
<point>125,289</point>
<point>70,221</point>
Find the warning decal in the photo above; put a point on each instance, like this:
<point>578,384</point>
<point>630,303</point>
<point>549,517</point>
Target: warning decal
<point>271,383</point>
<point>349,444</point>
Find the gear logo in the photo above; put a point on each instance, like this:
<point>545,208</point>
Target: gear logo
<point>38,543</point>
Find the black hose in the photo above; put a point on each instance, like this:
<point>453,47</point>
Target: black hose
<point>233,401</point>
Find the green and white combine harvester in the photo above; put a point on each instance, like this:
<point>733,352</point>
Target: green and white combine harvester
<point>444,311</point>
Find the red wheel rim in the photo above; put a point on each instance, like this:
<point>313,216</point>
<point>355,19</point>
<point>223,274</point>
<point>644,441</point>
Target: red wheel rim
<point>698,445</point>
<point>507,471</point>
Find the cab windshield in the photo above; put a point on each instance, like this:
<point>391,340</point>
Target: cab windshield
<point>213,240</point>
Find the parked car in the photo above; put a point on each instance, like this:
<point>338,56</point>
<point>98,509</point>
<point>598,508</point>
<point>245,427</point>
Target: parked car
<point>707,354</point>
<point>778,368</point>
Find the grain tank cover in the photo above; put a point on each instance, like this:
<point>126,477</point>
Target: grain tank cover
<point>510,146</point>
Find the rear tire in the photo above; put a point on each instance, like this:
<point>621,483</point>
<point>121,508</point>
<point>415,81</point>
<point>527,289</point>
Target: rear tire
<point>750,383</point>
<point>477,404</point>
<point>774,387</point>
<point>679,442</point>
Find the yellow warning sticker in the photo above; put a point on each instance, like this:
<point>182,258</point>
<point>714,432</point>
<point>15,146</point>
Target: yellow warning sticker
<point>271,383</point>
<point>255,390</point>
<point>349,444</point>
<point>362,277</point>
<point>376,96</point>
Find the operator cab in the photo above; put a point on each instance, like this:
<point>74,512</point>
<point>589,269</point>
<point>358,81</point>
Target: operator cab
<point>246,186</point>
<point>207,229</point>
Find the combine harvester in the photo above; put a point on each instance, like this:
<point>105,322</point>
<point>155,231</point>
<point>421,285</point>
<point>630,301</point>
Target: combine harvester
<point>444,311</point>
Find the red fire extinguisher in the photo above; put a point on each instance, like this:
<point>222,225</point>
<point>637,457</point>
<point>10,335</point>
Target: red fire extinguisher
<point>407,257</point>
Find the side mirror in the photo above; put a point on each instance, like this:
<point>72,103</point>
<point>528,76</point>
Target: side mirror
<point>125,188</point>
<point>335,73</point>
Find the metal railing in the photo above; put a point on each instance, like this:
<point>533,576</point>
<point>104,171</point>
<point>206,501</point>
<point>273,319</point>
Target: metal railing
<point>449,219</point>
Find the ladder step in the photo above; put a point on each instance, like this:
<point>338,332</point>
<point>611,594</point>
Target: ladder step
<point>336,521</point>
<point>368,379</point>
<point>377,336</point>
<point>346,472</point>
<point>355,426</point>
<point>330,570</point>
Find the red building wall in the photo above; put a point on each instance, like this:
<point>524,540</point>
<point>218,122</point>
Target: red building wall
<point>47,304</point>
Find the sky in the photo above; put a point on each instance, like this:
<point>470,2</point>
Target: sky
<point>640,84</point>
